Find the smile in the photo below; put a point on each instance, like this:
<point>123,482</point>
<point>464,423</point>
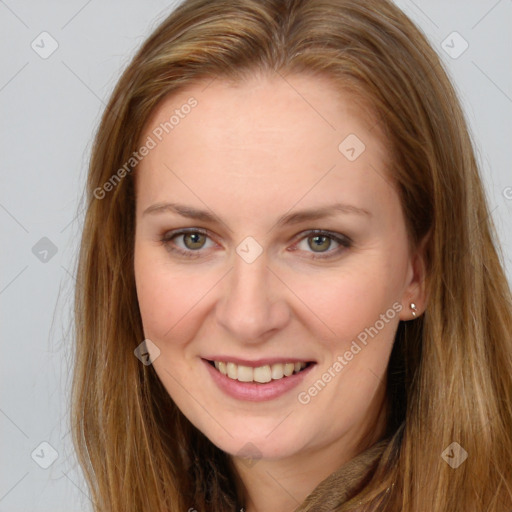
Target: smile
<point>256,381</point>
<point>261,374</point>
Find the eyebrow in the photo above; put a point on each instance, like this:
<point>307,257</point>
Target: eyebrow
<point>287,219</point>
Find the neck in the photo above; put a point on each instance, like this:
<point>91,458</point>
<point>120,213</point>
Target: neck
<point>281,485</point>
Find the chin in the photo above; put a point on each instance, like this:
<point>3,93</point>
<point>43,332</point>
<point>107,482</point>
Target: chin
<point>261,438</point>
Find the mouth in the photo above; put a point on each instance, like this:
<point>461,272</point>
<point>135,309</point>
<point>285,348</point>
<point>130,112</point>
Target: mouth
<point>259,374</point>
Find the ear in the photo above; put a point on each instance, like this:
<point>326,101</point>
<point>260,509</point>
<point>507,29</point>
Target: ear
<point>415,289</point>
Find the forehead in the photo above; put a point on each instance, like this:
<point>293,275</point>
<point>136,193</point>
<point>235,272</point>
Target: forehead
<point>271,137</point>
<point>319,103</point>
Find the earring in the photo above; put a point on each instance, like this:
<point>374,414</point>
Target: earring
<point>413,308</point>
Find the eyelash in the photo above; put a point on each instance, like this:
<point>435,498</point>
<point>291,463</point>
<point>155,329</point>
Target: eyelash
<point>342,240</point>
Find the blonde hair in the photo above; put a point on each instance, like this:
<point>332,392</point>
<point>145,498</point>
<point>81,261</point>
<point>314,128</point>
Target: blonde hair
<point>450,372</point>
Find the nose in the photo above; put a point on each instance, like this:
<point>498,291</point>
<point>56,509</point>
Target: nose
<point>253,303</point>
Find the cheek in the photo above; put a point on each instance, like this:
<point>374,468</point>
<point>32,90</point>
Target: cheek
<point>169,298</point>
<point>156,292</point>
<point>348,301</point>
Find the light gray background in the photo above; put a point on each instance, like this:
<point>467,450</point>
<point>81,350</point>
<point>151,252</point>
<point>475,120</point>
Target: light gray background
<point>50,109</point>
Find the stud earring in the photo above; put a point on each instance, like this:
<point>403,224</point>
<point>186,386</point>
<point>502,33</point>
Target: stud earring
<point>413,308</point>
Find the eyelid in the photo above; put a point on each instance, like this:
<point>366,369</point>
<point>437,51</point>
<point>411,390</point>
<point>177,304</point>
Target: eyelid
<point>168,235</point>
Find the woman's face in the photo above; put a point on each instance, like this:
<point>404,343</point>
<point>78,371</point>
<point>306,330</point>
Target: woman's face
<point>250,172</point>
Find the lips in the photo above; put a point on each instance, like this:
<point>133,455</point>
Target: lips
<point>256,387</point>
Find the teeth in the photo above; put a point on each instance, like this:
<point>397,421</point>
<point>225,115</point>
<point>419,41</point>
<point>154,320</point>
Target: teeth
<point>261,374</point>
<point>245,373</point>
<point>288,369</point>
<point>222,368</point>
<point>232,371</point>
<point>276,371</point>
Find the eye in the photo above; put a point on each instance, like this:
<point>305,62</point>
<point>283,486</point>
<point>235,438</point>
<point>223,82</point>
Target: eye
<point>187,242</point>
<point>191,242</point>
<point>320,243</point>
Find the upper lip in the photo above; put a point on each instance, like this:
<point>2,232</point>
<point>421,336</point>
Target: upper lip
<point>257,362</point>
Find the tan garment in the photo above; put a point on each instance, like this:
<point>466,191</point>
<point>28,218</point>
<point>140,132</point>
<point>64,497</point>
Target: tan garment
<point>346,481</point>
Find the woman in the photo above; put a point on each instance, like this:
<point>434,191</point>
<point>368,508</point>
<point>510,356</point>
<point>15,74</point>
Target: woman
<point>286,225</point>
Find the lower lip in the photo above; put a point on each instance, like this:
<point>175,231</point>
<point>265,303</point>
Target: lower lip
<point>253,391</point>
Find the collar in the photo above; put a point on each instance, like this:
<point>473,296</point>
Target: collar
<point>341,485</point>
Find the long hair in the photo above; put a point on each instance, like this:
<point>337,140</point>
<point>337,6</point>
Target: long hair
<point>451,368</point>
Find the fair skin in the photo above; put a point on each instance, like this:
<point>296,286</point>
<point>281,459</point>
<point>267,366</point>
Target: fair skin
<point>249,154</point>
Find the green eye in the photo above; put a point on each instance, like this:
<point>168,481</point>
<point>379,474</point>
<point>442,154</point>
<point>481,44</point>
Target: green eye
<point>323,244</point>
<point>194,241</point>
<point>186,242</point>
<point>317,244</point>
<point>320,242</point>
